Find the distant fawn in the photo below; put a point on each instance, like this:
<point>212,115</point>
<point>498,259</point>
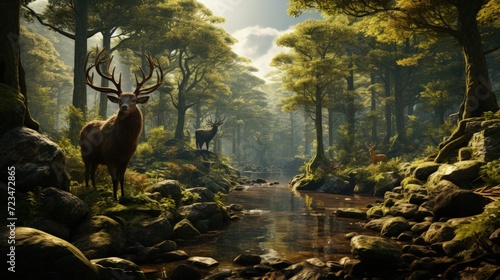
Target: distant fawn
<point>375,158</point>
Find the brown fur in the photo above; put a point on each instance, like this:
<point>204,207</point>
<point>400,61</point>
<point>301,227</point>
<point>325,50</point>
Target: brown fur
<point>375,158</point>
<point>112,143</point>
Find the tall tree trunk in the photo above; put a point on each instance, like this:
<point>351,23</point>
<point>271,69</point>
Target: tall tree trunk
<point>388,107</point>
<point>79,87</point>
<point>331,121</point>
<point>197,121</point>
<point>292,135</point>
<point>399,105</point>
<point>181,119</point>
<point>103,100</point>
<point>307,141</point>
<point>320,156</point>
<point>373,108</point>
<point>238,143</point>
<point>479,97</point>
<point>11,70</point>
<point>350,112</point>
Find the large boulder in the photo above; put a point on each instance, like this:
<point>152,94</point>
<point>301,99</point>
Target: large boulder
<point>485,144</point>
<point>302,183</point>
<point>405,210</point>
<point>394,226</point>
<point>39,162</point>
<point>63,207</point>
<point>442,186</point>
<point>117,268</point>
<point>458,203</point>
<point>205,194</point>
<point>149,231</point>
<point>439,232</point>
<point>423,170</point>
<point>462,173</point>
<point>168,189</point>
<point>215,186</point>
<point>99,237</point>
<point>185,230</point>
<point>375,250</point>
<point>335,185</point>
<point>39,255</point>
<point>208,211</point>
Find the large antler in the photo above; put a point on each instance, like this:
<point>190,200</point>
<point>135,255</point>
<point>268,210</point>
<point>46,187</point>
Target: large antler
<point>159,77</point>
<point>110,77</point>
<point>217,121</point>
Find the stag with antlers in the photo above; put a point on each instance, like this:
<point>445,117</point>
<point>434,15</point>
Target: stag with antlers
<point>206,135</point>
<point>114,141</point>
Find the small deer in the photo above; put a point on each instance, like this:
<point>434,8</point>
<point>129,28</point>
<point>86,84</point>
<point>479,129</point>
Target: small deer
<point>375,158</point>
<point>114,141</point>
<point>206,135</point>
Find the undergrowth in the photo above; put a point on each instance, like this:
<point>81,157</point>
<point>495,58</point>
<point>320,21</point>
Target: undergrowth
<point>490,172</point>
<point>483,225</point>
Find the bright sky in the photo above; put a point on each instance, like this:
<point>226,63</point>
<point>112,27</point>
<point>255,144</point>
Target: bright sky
<point>256,24</point>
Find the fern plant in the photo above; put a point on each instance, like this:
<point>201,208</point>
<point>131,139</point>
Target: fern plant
<point>490,172</point>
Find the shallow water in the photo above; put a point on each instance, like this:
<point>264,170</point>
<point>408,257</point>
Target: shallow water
<point>278,223</point>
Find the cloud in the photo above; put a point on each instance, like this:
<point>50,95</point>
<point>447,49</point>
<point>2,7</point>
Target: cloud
<point>258,44</point>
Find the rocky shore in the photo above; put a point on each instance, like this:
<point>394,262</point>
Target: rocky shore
<point>428,225</point>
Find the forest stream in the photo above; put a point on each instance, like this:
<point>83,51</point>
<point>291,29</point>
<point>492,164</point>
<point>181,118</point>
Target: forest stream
<point>277,223</point>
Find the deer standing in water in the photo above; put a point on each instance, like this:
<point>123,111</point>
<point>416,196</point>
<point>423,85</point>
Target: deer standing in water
<point>206,135</point>
<point>114,141</point>
<point>375,158</point>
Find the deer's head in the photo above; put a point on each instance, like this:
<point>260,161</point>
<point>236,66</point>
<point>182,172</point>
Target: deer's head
<point>127,101</point>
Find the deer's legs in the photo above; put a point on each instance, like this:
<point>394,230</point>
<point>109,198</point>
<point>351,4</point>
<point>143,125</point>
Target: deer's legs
<point>113,172</point>
<point>87,174</point>
<point>121,175</point>
<point>92,174</point>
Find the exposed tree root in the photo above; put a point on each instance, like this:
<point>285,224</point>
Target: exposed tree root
<point>458,139</point>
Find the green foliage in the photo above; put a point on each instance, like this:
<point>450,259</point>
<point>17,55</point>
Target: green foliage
<point>29,205</point>
<point>319,168</point>
<point>74,162</point>
<point>156,138</point>
<point>47,77</point>
<point>491,115</point>
<point>373,174</point>
<point>154,149</point>
<point>73,116</point>
<point>144,151</point>
<point>168,203</point>
<point>219,199</point>
<point>490,172</point>
<point>189,197</point>
<point>483,225</point>
<point>98,200</point>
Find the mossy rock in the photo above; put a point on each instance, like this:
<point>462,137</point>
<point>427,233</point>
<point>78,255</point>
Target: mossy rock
<point>123,213</point>
<point>12,108</point>
<point>410,180</point>
<point>463,173</point>
<point>424,170</point>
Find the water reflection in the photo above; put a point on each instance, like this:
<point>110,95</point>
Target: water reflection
<point>280,224</point>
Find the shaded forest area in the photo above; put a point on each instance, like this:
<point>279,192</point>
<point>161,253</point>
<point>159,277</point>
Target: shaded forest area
<point>396,76</point>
